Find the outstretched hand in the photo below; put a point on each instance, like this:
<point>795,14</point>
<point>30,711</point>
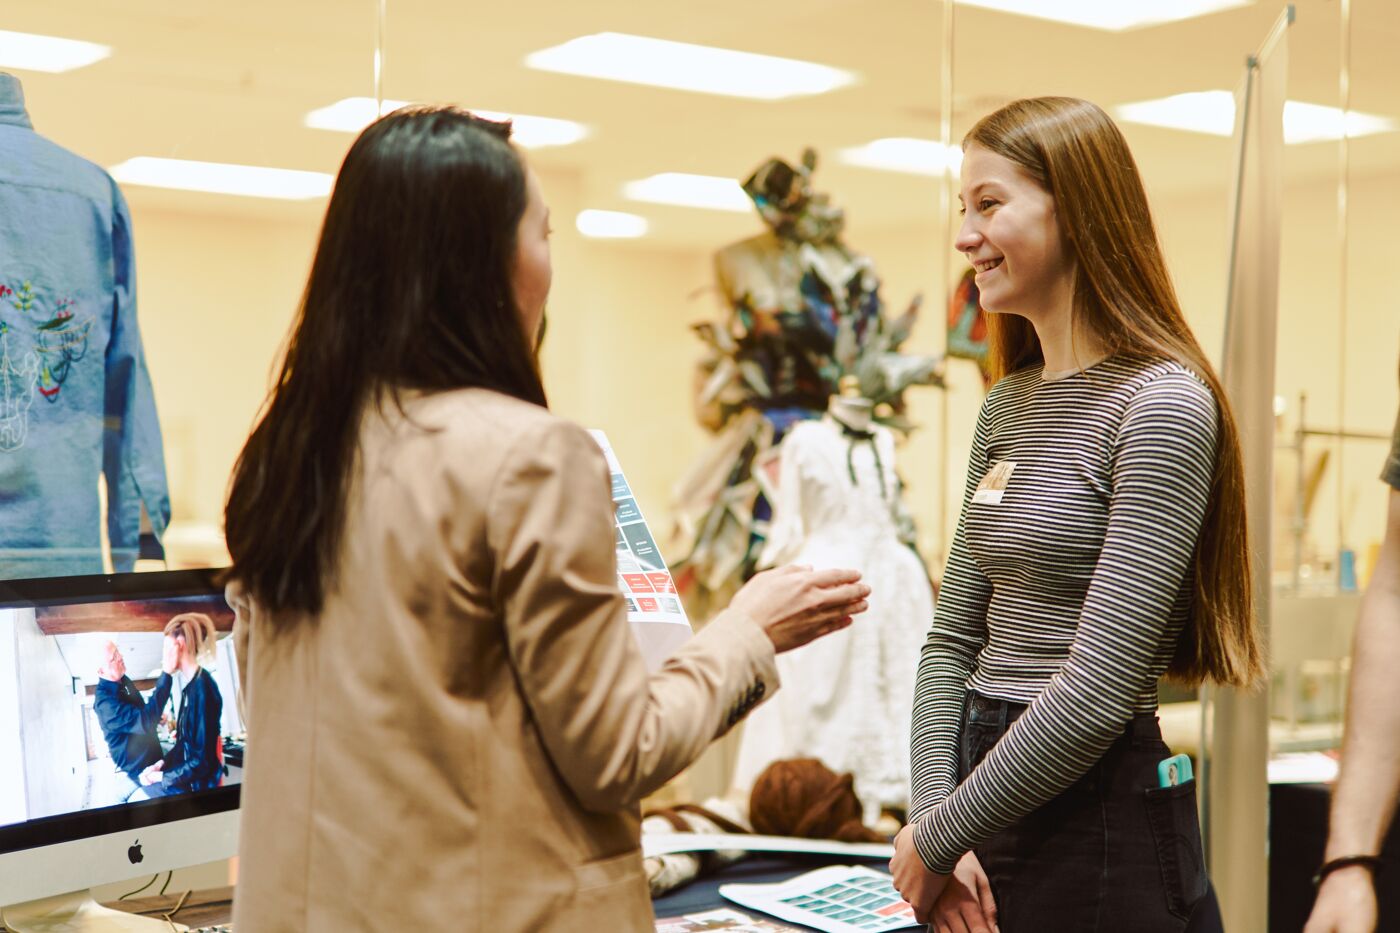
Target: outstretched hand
<point>795,605</point>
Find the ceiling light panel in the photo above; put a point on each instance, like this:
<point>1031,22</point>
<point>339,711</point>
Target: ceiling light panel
<point>685,67</point>
<point>25,51</point>
<point>1311,123</point>
<point>610,225</point>
<point>1213,112</point>
<point>221,178</point>
<point>355,113</point>
<point>682,190</point>
<point>1110,15</point>
<point>903,154</point>
<point>351,114</point>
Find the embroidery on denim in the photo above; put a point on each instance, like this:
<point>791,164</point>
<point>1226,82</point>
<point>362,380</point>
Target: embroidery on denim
<point>16,394</point>
<point>61,343</point>
<point>23,300</point>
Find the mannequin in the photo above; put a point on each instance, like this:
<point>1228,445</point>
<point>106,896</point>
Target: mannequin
<point>849,408</point>
<point>802,307</point>
<point>847,703</point>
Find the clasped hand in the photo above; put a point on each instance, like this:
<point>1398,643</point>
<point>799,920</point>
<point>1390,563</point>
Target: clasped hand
<point>958,902</point>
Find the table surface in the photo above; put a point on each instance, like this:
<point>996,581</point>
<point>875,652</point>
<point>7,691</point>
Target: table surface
<point>769,868</point>
<point>201,908</point>
<point>205,908</point>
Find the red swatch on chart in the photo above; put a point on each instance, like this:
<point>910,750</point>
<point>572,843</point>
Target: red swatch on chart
<point>647,604</point>
<point>662,582</point>
<point>638,583</point>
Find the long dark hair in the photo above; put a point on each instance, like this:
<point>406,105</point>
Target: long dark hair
<point>1122,290</point>
<point>410,289</point>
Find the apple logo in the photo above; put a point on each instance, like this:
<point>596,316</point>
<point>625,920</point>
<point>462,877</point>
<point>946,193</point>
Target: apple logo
<point>134,853</point>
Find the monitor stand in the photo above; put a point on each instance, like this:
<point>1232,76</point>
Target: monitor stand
<point>77,912</point>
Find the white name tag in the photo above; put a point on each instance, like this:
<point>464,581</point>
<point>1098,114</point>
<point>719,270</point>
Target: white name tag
<point>993,485</point>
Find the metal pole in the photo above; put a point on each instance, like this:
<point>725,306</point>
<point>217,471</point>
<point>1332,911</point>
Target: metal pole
<point>945,205</point>
<point>381,12</point>
<point>1343,169</point>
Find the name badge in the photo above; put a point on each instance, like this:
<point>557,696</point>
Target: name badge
<point>993,485</point>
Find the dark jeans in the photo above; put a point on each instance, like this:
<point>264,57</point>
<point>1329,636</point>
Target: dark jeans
<point>1113,852</point>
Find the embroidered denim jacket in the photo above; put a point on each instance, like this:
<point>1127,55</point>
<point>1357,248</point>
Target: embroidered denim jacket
<point>75,395</point>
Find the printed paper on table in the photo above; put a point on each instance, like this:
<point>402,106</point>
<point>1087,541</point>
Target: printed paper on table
<point>839,899</point>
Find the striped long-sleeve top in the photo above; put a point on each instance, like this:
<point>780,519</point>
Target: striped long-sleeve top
<point>1067,585</point>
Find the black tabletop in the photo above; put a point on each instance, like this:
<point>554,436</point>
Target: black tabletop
<point>765,868</point>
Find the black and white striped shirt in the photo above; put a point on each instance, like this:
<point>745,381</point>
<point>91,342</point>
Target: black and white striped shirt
<point>1066,589</point>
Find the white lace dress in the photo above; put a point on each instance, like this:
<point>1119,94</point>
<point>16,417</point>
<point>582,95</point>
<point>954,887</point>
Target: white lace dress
<point>846,698</point>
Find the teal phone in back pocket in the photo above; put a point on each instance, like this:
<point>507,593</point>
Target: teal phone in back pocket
<point>1174,770</point>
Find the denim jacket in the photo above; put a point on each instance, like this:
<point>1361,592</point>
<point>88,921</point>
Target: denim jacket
<point>75,395</point>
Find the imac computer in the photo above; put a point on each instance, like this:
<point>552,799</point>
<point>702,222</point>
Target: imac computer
<point>111,768</point>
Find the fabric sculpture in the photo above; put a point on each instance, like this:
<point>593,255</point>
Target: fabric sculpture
<point>803,310</point>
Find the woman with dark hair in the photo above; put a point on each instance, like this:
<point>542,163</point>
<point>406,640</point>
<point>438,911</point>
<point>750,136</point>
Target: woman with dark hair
<point>1102,545</point>
<point>450,725</point>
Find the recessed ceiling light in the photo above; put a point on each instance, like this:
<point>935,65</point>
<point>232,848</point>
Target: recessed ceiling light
<point>25,51</point>
<point>351,114</point>
<point>221,178</point>
<point>355,113</point>
<point>681,190</point>
<point>1210,112</point>
<point>610,225</point>
<point>1111,15</point>
<point>902,154</point>
<point>1310,123</point>
<point>685,67</point>
<point>1213,112</point>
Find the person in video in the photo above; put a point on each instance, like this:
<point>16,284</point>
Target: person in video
<point>193,763</point>
<point>129,721</point>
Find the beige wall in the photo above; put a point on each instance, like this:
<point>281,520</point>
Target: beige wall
<point>215,295</point>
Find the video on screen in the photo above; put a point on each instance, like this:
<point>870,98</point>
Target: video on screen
<point>112,703</point>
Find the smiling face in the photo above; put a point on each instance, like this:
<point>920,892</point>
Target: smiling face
<point>1012,238</point>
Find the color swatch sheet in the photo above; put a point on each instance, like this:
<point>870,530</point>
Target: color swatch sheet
<point>653,605</point>
<point>838,899</point>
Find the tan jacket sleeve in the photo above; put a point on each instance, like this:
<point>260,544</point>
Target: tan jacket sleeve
<point>614,732</point>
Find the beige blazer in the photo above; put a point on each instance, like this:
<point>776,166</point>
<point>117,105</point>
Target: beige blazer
<point>460,739</point>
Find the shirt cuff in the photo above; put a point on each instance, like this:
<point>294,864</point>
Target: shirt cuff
<point>935,853</point>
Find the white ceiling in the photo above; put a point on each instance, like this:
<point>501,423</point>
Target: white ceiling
<point>232,82</point>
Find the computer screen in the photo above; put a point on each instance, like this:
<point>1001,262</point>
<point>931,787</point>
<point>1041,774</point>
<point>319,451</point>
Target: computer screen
<point>120,736</point>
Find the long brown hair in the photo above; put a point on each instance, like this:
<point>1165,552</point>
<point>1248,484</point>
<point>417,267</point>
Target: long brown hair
<point>410,289</point>
<point>1123,294</point>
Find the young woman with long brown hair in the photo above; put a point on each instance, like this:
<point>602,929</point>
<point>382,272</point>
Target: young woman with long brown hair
<point>450,725</point>
<point>1102,544</point>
